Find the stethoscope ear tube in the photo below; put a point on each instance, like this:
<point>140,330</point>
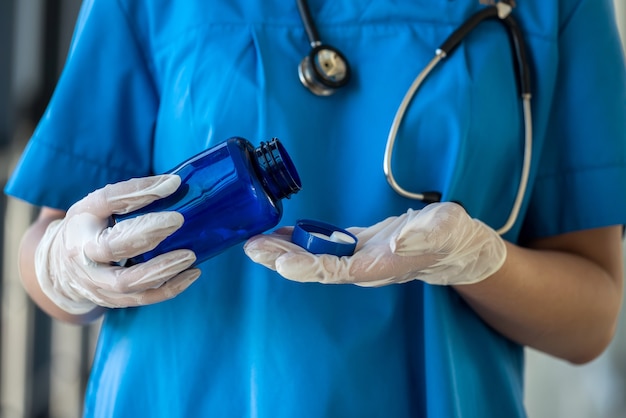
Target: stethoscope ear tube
<point>458,35</point>
<point>520,55</point>
<point>500,11</point>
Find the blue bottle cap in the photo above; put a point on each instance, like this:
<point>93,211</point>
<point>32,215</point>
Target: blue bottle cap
<point>321,238</point>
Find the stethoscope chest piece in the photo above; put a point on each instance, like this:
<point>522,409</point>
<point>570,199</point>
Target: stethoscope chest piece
<point>324,70</point>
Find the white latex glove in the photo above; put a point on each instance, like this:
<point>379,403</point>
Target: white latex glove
<point>439,245</point>
<point>74,260</point>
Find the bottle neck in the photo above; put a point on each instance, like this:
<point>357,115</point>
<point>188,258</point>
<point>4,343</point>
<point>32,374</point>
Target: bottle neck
<point>277,170</point>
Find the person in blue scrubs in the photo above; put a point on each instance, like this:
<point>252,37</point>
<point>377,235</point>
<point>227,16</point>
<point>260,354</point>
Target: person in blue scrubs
<point>148,84</point>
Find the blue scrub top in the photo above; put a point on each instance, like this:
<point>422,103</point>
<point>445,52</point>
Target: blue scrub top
<point>150,83</point>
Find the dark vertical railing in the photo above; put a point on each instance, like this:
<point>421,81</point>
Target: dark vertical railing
<point>6,48</point>
<point>6,118</point>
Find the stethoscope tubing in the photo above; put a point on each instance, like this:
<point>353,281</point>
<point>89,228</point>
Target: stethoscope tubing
<point>501,11</point>
<point>309,24</point>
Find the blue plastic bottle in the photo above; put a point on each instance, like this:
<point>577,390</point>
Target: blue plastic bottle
<point>228,193</point>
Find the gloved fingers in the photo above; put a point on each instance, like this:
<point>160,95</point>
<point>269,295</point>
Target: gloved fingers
<point>264,249</point>
<point>382,230</point>
<point>372,265</point>
<point>277,252</point>
<point>462,250</point>
<point>171,288</point>
<point>133,236</point>
<point>116,280</point>
<point>126,196</point>
<point>283,231</point>
<point>302,266</point>
<point>356,230</point>
<point>150,274</point>
<point>384,282</point>
<point>116,287</point>
<point>268,249</point>
<point>165,291</point>
<point>436,228</point>
<point>440,245</point>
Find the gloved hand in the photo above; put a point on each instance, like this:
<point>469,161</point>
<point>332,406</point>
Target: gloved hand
<point>74,260</point>
<point>439,244</point>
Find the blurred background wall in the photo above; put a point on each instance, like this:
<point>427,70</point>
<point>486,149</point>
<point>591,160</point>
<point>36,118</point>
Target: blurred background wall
<point>44,364</point>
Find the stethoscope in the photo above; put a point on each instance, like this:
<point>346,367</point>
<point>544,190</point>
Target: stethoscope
<point>325,69</point>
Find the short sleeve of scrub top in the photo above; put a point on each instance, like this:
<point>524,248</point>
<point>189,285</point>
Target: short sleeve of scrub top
<point>100,120</point>
<point>581,176</point>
